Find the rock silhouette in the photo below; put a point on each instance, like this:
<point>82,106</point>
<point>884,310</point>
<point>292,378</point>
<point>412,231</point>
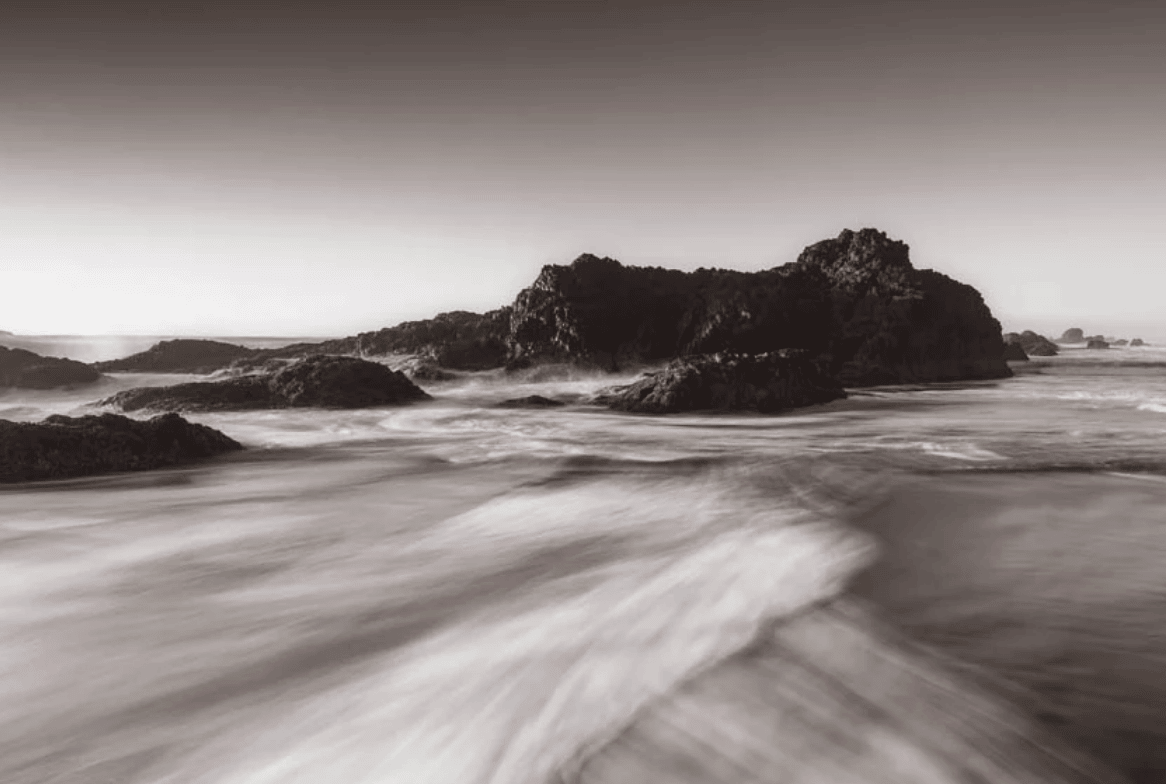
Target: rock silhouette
<point>61,447</point>
<point>25,369</point>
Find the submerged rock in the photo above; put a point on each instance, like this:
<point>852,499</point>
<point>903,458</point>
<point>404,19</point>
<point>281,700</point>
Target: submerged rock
<point>61,447</point>
<point>767,382</point>
<point>321,381</point>
<point>179,356</point>
<point>26,370</point>
<point>1121,342</point>
<point>1096,343</point>
<point>531,401</point>
<point>1072,335</point>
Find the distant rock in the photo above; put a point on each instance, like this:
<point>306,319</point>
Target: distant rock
<point>61,447</point>
<point>179,356</point>
<point>768,382</point>
<point>531,401</point>
<point>26,370</point>
<point>1034,345</point>
<point>1137,342</point>
<point>1096,343</point>
<point>320,381</point>
<point>1120,342</point>
<point>1072,335</point>
<point>855,298</point>
<point>1013,352</point>
<point>5,333</point>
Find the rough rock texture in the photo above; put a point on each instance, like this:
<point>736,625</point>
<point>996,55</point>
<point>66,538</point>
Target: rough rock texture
<point>1034,345</point>
<point>20,368</point>
<point>1096,343</point>
<point>1072,335</point>
<point>1013,352</point>
<point>1137,342</point>
<point>855,299</point>
<point>179,356</point>
<point>531,401</point>
<point>458,340</point>
<point>767,382</point>
<point>62,447</point>
<point>320,381</point>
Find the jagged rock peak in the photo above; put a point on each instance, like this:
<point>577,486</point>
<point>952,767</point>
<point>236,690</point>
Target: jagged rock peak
<point>857,260</point>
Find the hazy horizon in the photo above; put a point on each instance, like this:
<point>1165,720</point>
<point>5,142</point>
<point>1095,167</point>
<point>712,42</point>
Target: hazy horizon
<point>230,170</point>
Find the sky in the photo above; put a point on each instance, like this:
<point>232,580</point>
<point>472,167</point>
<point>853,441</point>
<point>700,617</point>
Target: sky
<point>252,168</point>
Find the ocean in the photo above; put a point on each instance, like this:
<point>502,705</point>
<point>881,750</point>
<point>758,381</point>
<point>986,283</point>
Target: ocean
<point>456,592</point>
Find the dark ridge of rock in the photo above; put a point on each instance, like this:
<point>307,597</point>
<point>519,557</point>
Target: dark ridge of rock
<point>62,447</point>
<point>1014,352</point>
<point>1121,342</point>
<point>1034,345</point>
<point>855,299</point>
<point>321,381</point>
<point>1072,335</point>
<point>458,340</point>
<point>179,356</point>
<point>1137,342</point>
<point>531,401</point>
<point>1096,343</point>
<point>26,370</point>
<point>767,383</point>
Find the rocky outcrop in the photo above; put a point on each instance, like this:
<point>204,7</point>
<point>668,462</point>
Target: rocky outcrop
<point>855,300</point>
<point>1013,352</point>
<point>1096,343</point>
<point>179,356</point>
<point>1072,335</point>
<point>26,370</point>
<point>61,447</point>
<point>768,382</point>
<point>458,340</point>
<point>321,381</point>
<point>531,401</point>
<point>1137,342</point>
<point>1034,345</point>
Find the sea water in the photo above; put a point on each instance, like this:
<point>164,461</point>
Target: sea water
<point>457,592</point>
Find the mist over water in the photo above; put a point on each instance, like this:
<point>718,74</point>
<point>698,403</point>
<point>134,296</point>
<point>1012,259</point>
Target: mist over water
<point>455,592</point>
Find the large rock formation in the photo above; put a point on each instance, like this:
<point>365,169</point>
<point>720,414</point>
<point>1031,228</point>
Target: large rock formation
<point>855,299</point>
<point>320,381</point>
<point>1034,345</point>
<point>24,369</point>
<point>61,447</point>
<point>1137,342</point>
<point>767,382</point>
<point>1072,335</point>
<point>179,356</point>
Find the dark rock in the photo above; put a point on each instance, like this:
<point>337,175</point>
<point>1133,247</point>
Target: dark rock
<point>1096,343</point>
<point>1137,342</point>
<point>1072,335</point>
<point>179,356</point>
<point>1034,345</point>
<point>767,382</point>
<point>321,381</point>
<point>856,299</point>
<point>458,340</point>
<point>61,447</point>
<point>24,369</point>
<point>531,401</point>
<point>1013,352</point>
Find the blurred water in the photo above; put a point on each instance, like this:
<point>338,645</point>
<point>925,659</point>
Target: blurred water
<point>454,592</point>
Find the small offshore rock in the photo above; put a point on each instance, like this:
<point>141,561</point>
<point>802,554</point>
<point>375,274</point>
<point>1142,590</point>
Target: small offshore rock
<point>1096,343</point>
<point>767,382</point>
<point>531,401</point>
<point>26,370</point>
<point>63,447</point>
<point>1072,335</point>
<point>321,381</point>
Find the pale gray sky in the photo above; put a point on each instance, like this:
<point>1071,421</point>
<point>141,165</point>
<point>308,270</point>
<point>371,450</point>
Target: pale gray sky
<point>227,171</point>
